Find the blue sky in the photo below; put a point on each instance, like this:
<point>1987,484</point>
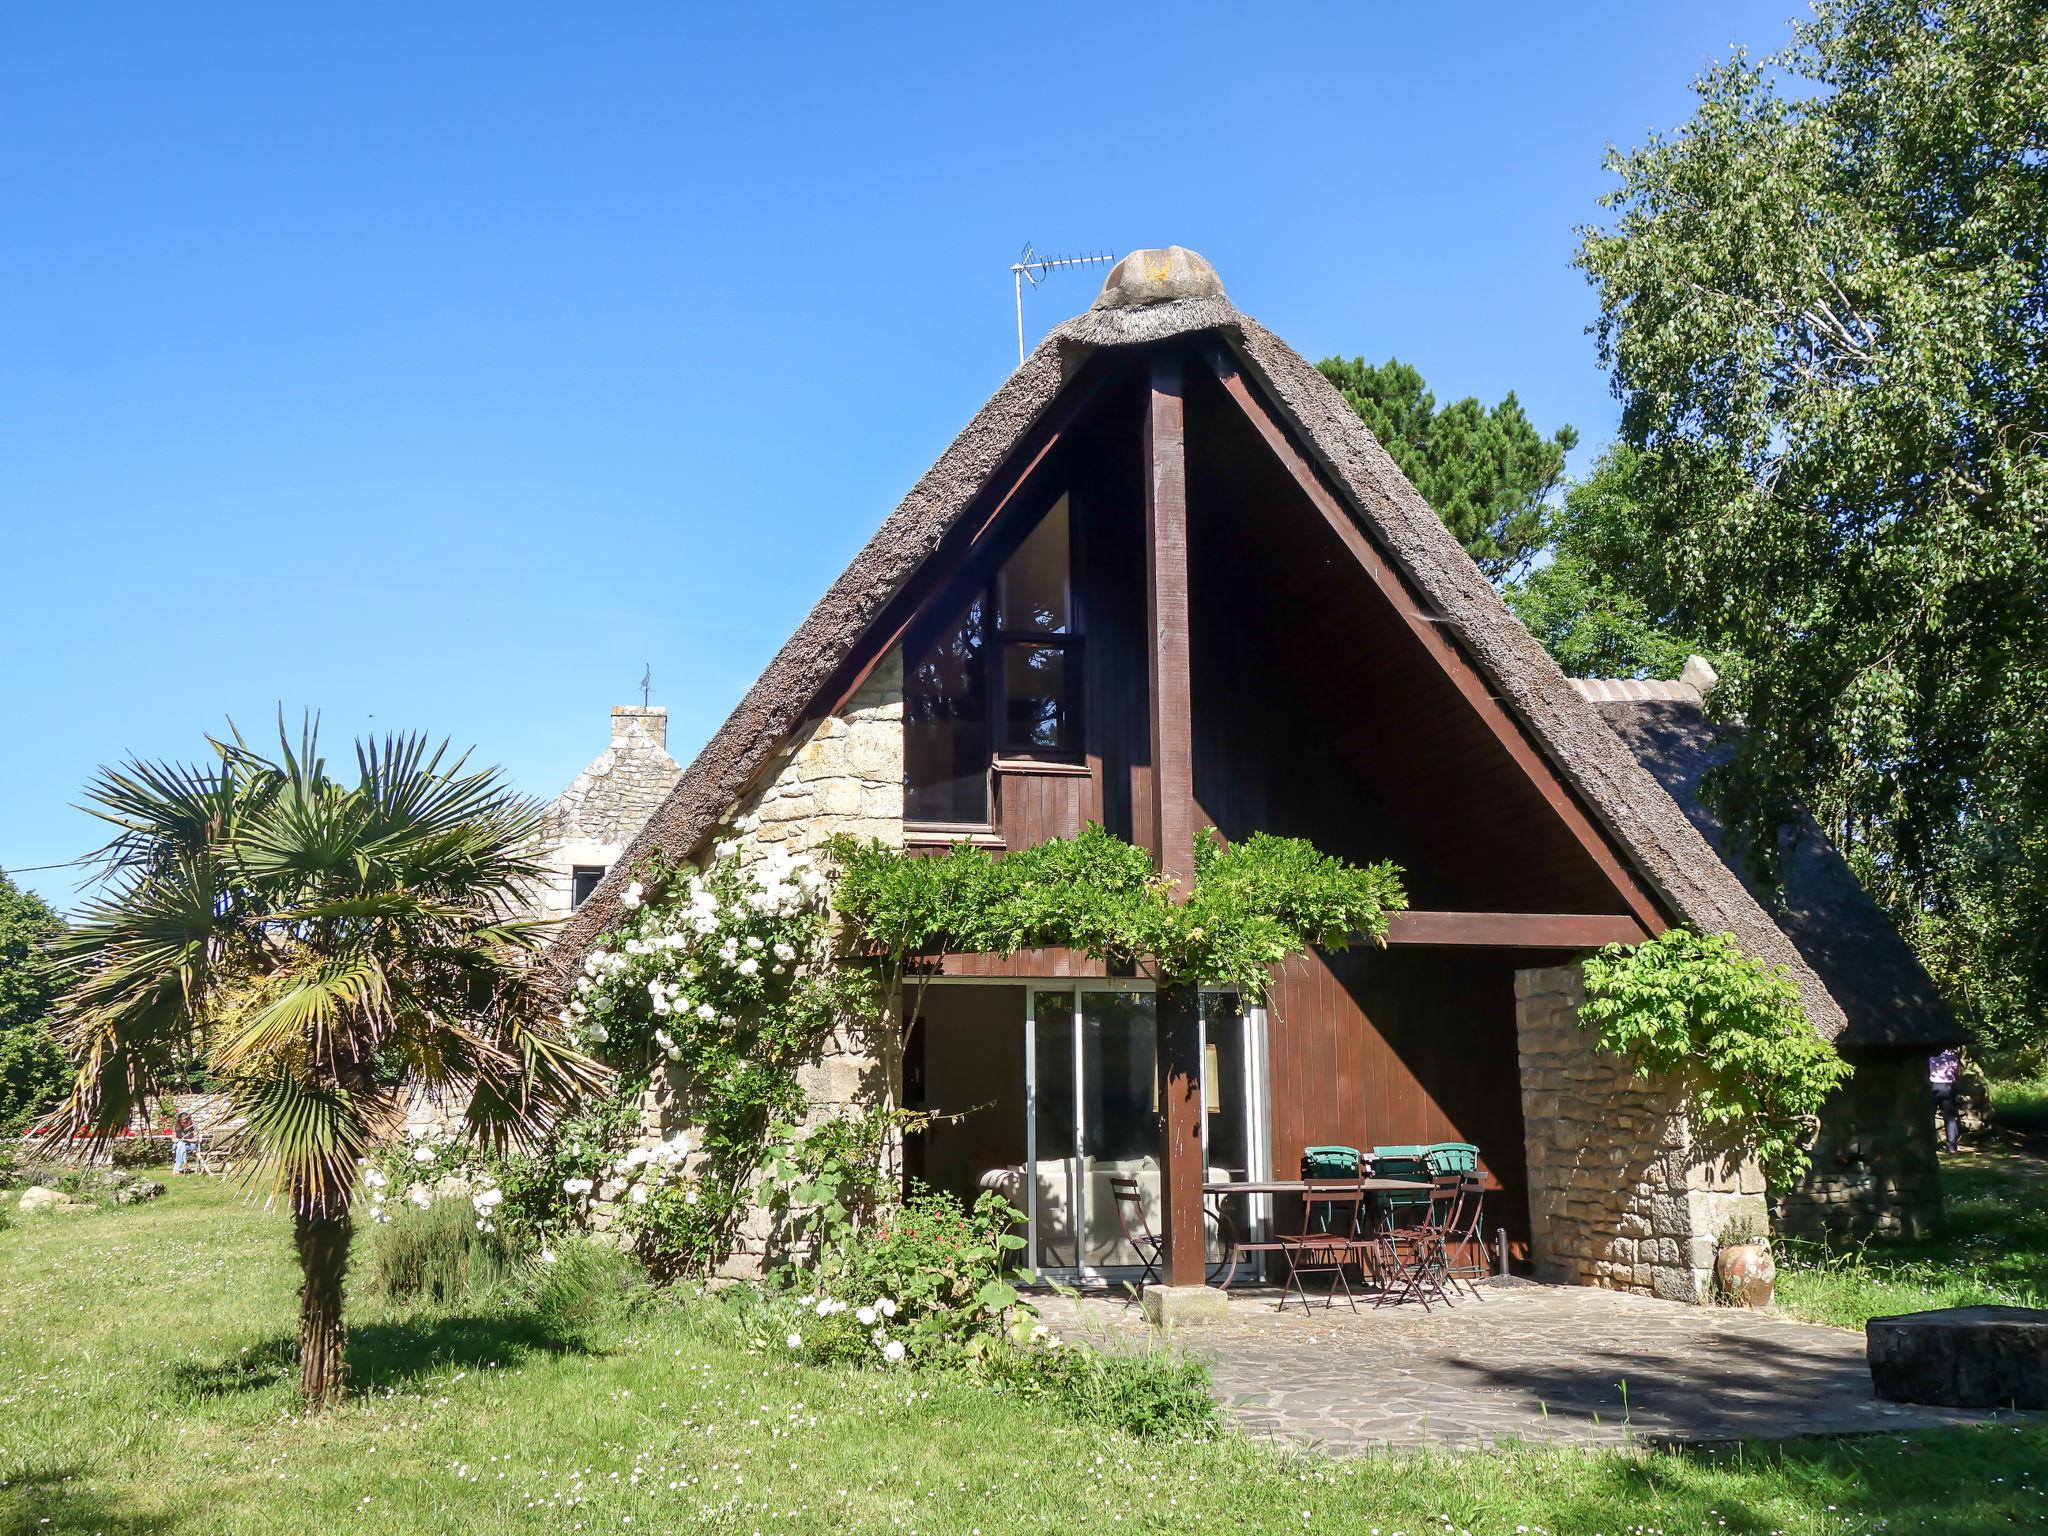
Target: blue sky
<point>439,366</point>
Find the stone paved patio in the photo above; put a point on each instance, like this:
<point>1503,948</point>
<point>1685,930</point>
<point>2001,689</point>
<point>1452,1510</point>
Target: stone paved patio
<point>1558,1364</point>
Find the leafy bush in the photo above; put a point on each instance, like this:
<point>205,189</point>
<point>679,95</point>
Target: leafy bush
<point>1692,1005</point>
<point>1153,1395</point>
<point>440,1255</point>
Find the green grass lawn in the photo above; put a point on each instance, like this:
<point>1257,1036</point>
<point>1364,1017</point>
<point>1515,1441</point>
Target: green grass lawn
<point>1994,1248</point>
<point>145,1354</point>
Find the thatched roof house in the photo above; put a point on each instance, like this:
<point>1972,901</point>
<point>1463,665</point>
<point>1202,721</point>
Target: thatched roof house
<point>1242,614</point>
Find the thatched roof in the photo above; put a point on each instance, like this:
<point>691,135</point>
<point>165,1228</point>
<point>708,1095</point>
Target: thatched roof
<point>1653,834</point>
<point>1841,933</point>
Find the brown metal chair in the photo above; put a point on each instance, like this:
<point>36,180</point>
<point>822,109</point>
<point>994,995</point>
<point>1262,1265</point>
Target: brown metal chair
<point>1410,1251</point>
<point>1327,1243</point>
<point>1465,1237</point>
<point>1130,1200</point>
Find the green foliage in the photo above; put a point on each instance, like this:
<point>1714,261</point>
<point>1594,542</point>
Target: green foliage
<point>1822,301</point>
<point>33,1071</point>
<point>1153,1394</point>
<point>1488,473</point>
<point>1587,605</point>
<point>827,1185</point>
<point>927,1283</point>
<point>1251,906</point>
<point>325,946</point>
<point>1694,1007</point>
<point>438,1256</point>
<point>727,980</point>
<point>576,1287</point>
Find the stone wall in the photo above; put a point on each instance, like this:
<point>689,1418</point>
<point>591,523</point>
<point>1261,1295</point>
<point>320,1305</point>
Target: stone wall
<point>1875,1167</point>
<point>1619,1195</point>
<point>590,823</point>
<point>841,774</point>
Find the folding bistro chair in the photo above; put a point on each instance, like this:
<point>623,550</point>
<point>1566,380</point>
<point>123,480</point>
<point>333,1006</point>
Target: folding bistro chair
<point>1409,1248</point>
<point>1130,1202</point>
<point>1327,1242</point>
<point>1464,1240</point>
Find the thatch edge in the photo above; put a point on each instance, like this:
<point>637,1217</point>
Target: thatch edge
<point>1650,829</point>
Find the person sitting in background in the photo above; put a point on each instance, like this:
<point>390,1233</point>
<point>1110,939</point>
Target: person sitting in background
<point>1943,1068</point>
<point>184,1138</point>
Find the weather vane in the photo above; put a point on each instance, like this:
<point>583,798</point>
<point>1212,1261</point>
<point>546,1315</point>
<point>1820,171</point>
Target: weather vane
<point>1031,267</point>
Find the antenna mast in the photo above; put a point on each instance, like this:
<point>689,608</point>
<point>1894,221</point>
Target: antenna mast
<point>646,683</point>
<point>1032,268</point>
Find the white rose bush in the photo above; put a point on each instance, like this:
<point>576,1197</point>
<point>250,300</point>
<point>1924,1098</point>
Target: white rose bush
<point>725,980</point>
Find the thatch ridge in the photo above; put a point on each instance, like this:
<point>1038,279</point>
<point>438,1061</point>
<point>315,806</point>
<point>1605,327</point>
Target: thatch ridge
<point>1664,847</point>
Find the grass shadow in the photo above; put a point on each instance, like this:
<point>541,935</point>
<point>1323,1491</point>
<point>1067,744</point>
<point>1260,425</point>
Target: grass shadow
<point>47,1496</point>
<point>391,1353</point>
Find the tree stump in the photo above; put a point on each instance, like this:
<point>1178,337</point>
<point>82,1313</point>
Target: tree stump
<point>1961,1357</point>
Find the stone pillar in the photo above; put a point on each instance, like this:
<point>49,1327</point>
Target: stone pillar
<point>1619,1194</point>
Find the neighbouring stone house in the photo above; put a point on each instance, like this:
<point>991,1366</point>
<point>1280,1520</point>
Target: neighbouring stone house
<point>1165,580</point>
<point>590,824</point>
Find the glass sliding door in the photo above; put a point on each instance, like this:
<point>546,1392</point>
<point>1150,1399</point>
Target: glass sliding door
<point>1054,1192</point>
<point>1086,1110</point>
<point>1119,1122</point>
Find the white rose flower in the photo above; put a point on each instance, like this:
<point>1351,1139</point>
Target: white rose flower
<point>784,951</point>
<point>423,1154</point>
<point>865,1316</point>
<point>795,1341</point>
<point>420,1196</point>
<point>893,1351</point>
<point>598,1033</point>
<point>706,1012</point>
<point>886,1307</point>
<point>639,1195</point>
<point>630,897</point>
<point>749,966</point>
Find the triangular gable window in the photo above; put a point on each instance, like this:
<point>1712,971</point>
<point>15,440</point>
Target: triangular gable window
<point>1000,678</point>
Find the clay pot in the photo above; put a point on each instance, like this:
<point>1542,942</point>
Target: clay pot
<point>1747,1273</point>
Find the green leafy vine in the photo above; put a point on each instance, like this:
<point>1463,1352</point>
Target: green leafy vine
<point>1694,1006</point>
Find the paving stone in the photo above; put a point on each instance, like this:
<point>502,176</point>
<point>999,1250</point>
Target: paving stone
<point>1555,1364</point>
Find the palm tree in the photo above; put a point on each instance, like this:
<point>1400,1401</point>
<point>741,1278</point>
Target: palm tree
<point>323,948</point>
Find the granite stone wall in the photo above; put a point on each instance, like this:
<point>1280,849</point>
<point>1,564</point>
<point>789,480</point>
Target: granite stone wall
<point>1875,1167</point>
<point>1619,1193</point>
<point>841,774</point>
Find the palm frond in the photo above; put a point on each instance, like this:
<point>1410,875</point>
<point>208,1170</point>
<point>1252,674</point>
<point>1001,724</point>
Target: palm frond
<point>323,1009</point>
<point>309,1137</point>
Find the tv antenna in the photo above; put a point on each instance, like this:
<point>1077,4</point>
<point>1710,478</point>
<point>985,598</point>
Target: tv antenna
<point>1030,267</point>
<point>646,683</point>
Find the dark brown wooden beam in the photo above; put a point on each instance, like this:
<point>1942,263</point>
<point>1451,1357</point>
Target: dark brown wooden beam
<point>1514,930</point>
<point>1173,809</point>
<point>1426,628</point>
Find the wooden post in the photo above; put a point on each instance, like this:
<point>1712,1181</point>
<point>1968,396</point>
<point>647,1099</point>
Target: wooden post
<point>1173,812</point>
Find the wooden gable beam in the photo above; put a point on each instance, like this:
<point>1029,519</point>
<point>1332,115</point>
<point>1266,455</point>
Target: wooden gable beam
<point>978,521</point>
<point>1435,643</point>
<point>1513,930</point>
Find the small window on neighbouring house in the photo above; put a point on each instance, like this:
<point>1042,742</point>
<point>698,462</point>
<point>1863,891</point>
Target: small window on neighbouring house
<point>1000,677</point>
<point>582,881</point>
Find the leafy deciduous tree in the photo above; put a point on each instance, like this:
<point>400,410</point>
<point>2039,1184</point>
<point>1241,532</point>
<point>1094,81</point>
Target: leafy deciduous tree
<point>1824,301</point>
<point>33,1071</point>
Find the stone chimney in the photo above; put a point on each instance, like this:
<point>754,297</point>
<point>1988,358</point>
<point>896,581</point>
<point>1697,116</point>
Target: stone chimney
<point>648,721</point>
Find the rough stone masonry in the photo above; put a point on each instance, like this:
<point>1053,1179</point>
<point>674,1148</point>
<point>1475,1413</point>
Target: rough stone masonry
<point>1620,1194</point>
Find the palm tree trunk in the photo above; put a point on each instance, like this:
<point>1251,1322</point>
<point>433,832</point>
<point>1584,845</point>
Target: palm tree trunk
<point>322,1238</point>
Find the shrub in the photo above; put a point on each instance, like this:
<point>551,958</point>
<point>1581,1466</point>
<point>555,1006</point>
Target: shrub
<point>1693,1006</point>
<point>441,1255</point>
<point>577,1286</point>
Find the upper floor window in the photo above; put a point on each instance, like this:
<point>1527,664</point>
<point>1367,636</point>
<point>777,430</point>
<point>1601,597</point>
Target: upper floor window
<point>1001,678</point>
<point>583,880</point>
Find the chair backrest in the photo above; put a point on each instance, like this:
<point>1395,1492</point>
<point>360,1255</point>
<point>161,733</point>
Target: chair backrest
<point>1329,1162</point>
<point>1402,1207</point>
<point>1452,1157</point>
<point>1130,1200</point>
<point>1446,1201</point>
